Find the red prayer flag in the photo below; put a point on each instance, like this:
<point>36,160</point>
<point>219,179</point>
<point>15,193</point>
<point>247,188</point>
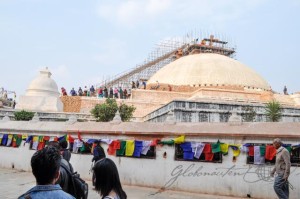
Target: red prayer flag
<point>113,147</point>
<point>71,139</point>
<point>207,148</point>
<point>209,156</point>
<point>46,138</point>
<point>79,136</point>
<point>154,142</point>
<point>251,151</point>
<point>41,145</point>
<point>14,141</point>
<point>270,152</point>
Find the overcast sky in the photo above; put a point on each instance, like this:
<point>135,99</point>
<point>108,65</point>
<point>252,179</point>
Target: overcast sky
<point>83,42</point>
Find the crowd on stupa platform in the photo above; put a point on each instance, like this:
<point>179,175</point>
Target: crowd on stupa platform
<point>104,92</point>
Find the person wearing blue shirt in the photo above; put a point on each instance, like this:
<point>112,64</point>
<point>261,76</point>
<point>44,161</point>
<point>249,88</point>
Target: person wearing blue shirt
<point>45,166</point>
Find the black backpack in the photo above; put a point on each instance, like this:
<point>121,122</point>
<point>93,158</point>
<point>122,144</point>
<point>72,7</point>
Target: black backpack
<point>79,188</point>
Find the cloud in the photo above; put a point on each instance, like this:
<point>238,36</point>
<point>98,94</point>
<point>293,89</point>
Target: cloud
<point>132,12</point>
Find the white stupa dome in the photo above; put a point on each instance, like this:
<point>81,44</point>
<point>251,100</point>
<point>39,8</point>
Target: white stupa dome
<point>43,85</point>
<point>208,69</point>
<point>42,95</point>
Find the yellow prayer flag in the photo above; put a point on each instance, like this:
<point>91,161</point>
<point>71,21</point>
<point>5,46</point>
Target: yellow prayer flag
<point>10,137</point>
<point>129,147</point>
<point>236,149</point>
<point>35,139</point>
<point>24,136</point>
<point>224,147</point>
<point>179,140</point>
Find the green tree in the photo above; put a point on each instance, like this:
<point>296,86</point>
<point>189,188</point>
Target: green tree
<point>126,112</point>
<point>106,112</point>
<point>273,111</point>
<point>23,115</point>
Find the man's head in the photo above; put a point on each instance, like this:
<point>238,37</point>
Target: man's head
<point>96,142</point>
<point>63,144</point>
<point>45,165</point>
<point>277,143</point>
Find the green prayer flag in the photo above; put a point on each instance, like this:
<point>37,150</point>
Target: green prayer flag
<point>19,140</point>
<point>121,151</point>
<point>289,148</point>
<point>167,142</point>
<point>216,147</point>
<point>262,150</point>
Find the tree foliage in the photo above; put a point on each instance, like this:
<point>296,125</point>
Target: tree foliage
<point>23,115</point>
<point>273,111</point>
<point>126,112</point>
<point>106,112</point>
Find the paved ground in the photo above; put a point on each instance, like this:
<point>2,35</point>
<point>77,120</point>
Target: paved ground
<point>14,183</point>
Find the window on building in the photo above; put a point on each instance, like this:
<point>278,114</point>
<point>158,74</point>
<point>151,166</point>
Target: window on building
<point>203,117</point>
<point>224,117</point>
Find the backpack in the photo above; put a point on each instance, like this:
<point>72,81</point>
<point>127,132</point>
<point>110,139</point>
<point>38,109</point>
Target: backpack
<point>79,187</point>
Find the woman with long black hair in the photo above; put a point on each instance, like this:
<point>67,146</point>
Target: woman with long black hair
<point>107,180</point>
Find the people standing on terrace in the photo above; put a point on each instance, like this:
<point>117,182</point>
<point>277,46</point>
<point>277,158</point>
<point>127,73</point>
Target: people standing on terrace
<point>105,92</point>
<point>92,91</point>
<point>144,84</point>
<point>73,92</point>
<point>63,91</point>
<point>116,92</point>
<point>111,92</point>
<point>80,93</point>
<point>285,90</point>
<point>125,93</point>
<point>100,92</point>
<point>85,91</point>
<point>121,93</point>
<point>133,85</point>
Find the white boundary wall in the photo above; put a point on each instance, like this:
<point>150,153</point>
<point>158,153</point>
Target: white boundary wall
<point>226,178</point>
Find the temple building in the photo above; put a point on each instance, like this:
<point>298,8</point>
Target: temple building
<point>199,87</point>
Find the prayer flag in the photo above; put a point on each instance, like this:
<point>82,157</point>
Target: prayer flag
<point>216,147</point>
<point>224,148</point>
<point>207,148</point>
<point>179,140</point>
<point>236,149</point>
<point>258,159</point>
<point>262,150</point>
<point>121,151</point>
<point>209,157</point>
<point>251,151</point>
<point>270,152</point>
<point>129,147</point>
